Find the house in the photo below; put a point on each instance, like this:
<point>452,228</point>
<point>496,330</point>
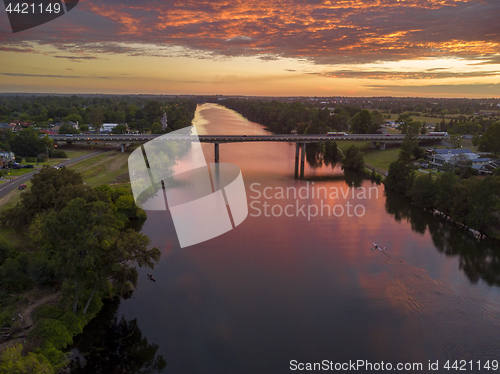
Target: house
<point>6,157</point>
<point>4,125</point>
<point>439,157</point>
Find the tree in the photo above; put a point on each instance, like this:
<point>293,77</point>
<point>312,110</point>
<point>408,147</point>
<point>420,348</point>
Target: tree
<point>490,141</point>
<point>484,204</point>
<point>13,362</point>
<point>406,149</point>
<point>51,189</point>
<point>361,122</point>
<point>96,117</point>
<point>353,159</point>
<point>424,191</point>
<point>456,141</point>
<point>445,184</point>
<point>120,129</point>
<point>84,128</point>
<point>66,128</point>
<point>84,238</point>
<point>400,178</point>
<point>476,140</point>
<point>27,143</point>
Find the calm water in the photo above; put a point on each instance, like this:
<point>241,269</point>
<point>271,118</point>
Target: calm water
<point>280,288</point>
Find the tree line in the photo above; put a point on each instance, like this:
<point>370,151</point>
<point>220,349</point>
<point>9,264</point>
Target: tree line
<point>80,241</point>
<point>473,202</point>
<point>139,113</point>
<point>283,118</point>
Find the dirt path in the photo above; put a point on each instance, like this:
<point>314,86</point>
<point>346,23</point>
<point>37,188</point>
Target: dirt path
<point>27,320</point>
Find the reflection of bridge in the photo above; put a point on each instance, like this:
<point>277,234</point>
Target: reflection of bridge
<point>299,140</point>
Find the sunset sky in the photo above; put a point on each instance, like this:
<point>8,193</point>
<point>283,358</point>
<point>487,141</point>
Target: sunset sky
<point>434,48</point>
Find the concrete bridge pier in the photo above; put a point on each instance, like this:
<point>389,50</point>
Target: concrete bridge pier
<point>302,160</point>
<point>297,156</point>
<point>123,147</point>
<point>382,146</point>
<point>216,153</point>
<point>374,145</point>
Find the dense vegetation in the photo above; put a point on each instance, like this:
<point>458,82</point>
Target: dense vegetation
<point>80,243</point>
<point>473,202</point>
<point>282,118</point>
<point>137,112</point>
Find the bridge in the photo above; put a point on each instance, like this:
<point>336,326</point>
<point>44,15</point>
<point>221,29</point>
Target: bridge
<point>299,140</point>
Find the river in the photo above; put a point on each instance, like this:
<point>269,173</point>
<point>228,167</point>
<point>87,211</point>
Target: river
<point>286,288</point>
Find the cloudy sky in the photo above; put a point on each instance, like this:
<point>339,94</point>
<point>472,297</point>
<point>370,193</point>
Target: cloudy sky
<point>437,48</point>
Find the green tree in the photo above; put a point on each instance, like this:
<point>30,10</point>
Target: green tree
<point>445,184</point>
<point>361,122</point>
<point>456,141</point>
<point>66,128</point>
<point>13,362</point>
<point>476,140</point>
<point>51,189</point>
<point>96,117</point>
<point>85,239</point>
<point>120,129</point>
<point>400,178</point>
<point>27,143</point>
<point>490,141</point>
<point>353,159</point>
<point>424,191</point>
<point>406,149</point>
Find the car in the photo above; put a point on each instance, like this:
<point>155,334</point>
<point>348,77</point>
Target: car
<point>245,136</point>
<point>17,166</point>
<point>28,166</point>
<point>22,186</point>
<point>387,134</point>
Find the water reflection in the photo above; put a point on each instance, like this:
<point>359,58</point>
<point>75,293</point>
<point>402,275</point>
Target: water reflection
<point>478,260</point>
<point>112,345</point>
<point>319,154</point>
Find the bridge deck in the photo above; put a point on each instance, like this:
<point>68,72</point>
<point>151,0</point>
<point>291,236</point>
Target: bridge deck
<point>241,138</point>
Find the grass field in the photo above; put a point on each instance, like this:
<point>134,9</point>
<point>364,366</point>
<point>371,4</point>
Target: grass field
<point>108,168</point>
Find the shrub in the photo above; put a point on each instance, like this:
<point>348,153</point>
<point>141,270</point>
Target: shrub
<point>58,154</point>
<point>30,159</point>
<point>73,324</point>
<point>42,157</point>
<point>53,333</point>
<point>12,276</point>
<point>43,271</point>
<point>48,311</point>
<point>5,251</point>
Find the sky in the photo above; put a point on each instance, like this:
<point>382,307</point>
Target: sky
<point>426,48</point>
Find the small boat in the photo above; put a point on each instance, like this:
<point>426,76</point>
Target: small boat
<point>376,246</point>
<point>151,277</point>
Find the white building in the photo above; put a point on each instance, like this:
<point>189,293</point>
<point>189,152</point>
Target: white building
<point>108,126</point>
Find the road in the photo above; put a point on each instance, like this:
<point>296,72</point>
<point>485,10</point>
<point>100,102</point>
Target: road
<point>14,184</point>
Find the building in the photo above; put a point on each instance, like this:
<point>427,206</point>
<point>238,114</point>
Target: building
<point>439,157</point>
<point>108,126</point>
<point>6,157</point>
